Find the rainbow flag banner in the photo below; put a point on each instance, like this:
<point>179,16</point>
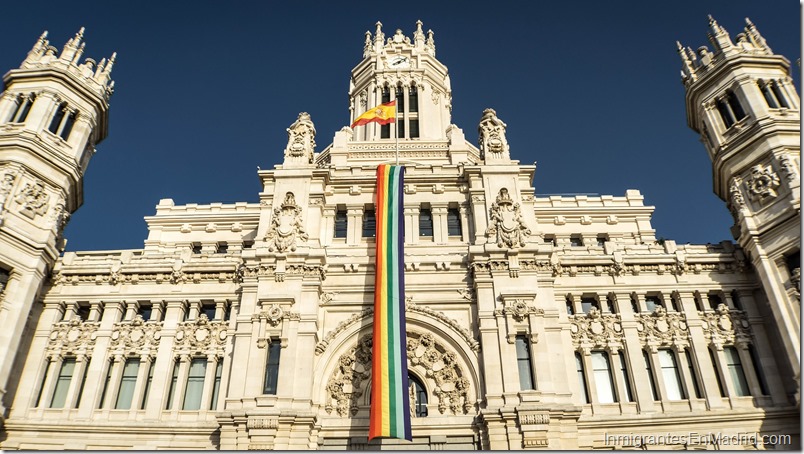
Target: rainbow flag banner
<point>390,401</point>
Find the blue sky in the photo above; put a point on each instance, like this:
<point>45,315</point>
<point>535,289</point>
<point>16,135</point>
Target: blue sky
<point>205,90</point>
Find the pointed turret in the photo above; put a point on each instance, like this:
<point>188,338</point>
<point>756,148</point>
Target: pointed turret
<point>718,36</point>
<point>367,45</point>
<point>72,46</point>
<point>379,37</point>
<point>418,36</point>
<point>430,44</point>
<point>755,37</point>
<point>688,70</point>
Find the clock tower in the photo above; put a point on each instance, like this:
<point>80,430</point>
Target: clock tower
<point>408,72</point>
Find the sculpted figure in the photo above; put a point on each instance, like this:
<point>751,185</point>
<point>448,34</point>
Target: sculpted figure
<point>33,199</point>
<point>301,140</point>
<point>505,222</point>
<point>492,136</point>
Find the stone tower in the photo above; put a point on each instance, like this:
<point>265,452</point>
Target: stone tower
<point>53,112</point>
<point>742,101</point>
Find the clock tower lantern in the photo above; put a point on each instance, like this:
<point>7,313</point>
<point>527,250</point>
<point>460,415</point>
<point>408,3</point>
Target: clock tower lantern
<point>408,72</point>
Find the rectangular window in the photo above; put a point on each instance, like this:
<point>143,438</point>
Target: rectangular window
<point>576,241</point>
<point>145,311</point>
<point>341,224</point>
<point>400,125</point>
<point>651,378</point>
<point>248,244</point>
<point>736,371</point>
<point>670,375</point>
<point>217,385</point>
<point>173,382</point>
<point>652,302</point>
<point>714,300</point>
<point>454,222</point>
<point>717,374</point>
<point>629,396</point>
<point>413,99</point>
<point>369,223</point>
<point>523,362</point>
<point>601,240</point>
<point>196,247</point>
<point>127,383</point>
<point>209,310</point>
<point>195,384</point>
<point>425,222</point>
<point>779,96</point>
<point>735,300</point>
<point>272,368</point>
<point>588,303</point>
<point>604,384</point>
<point>693,375</point>
<point>763,385</point>
<point>148,382</point>
<point>581,377</point>
<point>550,239</point>
<point>83,312</point>
<point>414,128</point>
<point>68,125</point>
<point>42,385</point>
<point>57,117</point>
<point>106,383</point>
<point>222,248</point>
<point>570,306</point>
<point>610,304</point>
<point>63,383</point>
<point>766,93</point>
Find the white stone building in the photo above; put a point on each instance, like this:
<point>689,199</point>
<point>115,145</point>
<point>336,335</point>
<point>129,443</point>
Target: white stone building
<point>533,322</point>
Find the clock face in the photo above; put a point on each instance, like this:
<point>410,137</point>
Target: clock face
<point>399,61</point>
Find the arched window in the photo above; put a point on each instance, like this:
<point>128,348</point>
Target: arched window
<point>24,103</point>
<point>57,118</point>
<point>418,397</point>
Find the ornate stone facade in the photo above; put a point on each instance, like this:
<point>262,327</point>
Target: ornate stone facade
<point>532,321</point>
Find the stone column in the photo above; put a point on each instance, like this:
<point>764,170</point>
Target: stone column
<point>354,229</point>
<point>656,368</point>
<point>617,375</point>
<point>490,352</point>
<point>722,368</point>
<point>80,133</point>
<point>750,373</point>
<point>8,105</point>
<point>327,226</point>
<point>114,383</point>
<point>131,310</point>
<point>689,380</point>
<point>633,348</point>
<point>700,349</point>
<point>588,372</point>
<point>181,383</point>
<point>410,214</point>
<point>440,234</point>
<point>464,224</point>
<point>142,382</point>
<point>164,361</point>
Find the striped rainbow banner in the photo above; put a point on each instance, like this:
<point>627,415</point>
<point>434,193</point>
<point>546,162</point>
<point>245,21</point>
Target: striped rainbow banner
<point>390,401</point>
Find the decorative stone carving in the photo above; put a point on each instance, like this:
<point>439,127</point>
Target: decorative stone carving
<point>762,183</point>
<point>596,330</point>
<point>662,328</point>
<point>493,144</point>
<point>301,141</point>
<point>135,337</point>
<point>6,184</point>
<point>59,216</point>
<point>200,336</point>
<point>506,223</point>
<point>467,294</point>
<point>409,307</point>
<point>326,297</point>
<point>788,165</point>
<point>440,367</point>
<point>286,227</point>
<point>73,337</point>
<point>33,200</point>
<point>725,327</point>
<point>519,309</point>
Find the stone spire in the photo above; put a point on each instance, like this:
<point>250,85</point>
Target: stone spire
<point>367,45</point>
<point>756,39</point>
<point>418,36</point>
<point>718,36</point>
<point>73,46</point>
<point>688,70</point>
<point>430,43</point>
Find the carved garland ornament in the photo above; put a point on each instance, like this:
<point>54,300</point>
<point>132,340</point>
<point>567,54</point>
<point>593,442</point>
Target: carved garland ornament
<point>286,226</point>
<point>662,328</point>
<point>75,337</point>
<point>725,327</point>
<point>345,386</point>
<point>136,337</point>
<point>506,223</point>
<point>596,330</point>
<point>200,336</point>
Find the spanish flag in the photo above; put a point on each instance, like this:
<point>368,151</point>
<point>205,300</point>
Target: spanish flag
<point>382,114</point>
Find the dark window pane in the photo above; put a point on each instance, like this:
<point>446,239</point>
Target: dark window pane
<point>145,311</point>
<point>717,374</point>
<point>209,311</point>
<point>68,125</point>
<point>454,222</point>
<point>369,224</point>
<point>763,384</point>
<point>523,363</point>
<point>413,101</point>
<point>272,369</point>
<point>734,103</point>
<point>414,128</point>
<point>581,377</point>
<point>83,312</point>
<point>725,113</point>
<point>57,117</point>
<point>576,241</point>
<point>651,379</point>
<point>779,95</point>
<point>766,93</point>
<point>341,224</point>
<point>652,302</point>
<point>385,131</point>
<point>695,385</point>
<point>587,304</point>
<point>420,396</point>
<point>425,222</point>
<point>714,300</point>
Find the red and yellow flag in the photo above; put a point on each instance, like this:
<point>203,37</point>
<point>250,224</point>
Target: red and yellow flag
<point>382,114</point>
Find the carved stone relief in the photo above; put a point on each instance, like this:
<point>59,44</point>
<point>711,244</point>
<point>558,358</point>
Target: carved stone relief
<point>725,327</point>
<point>200,336</point>
<point>286,226</point>
<point>301,140</point>
<point>662,328</point>
<point>74,337</point>
<point>136,337</point>
<point>762,183</point>
<point>493,143</point>
<point>6,184</point>
<point>506,224</point>
<point>450,387</point>
<point>33,199</point>
<point>788,167</point>
<point>596,330</point>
